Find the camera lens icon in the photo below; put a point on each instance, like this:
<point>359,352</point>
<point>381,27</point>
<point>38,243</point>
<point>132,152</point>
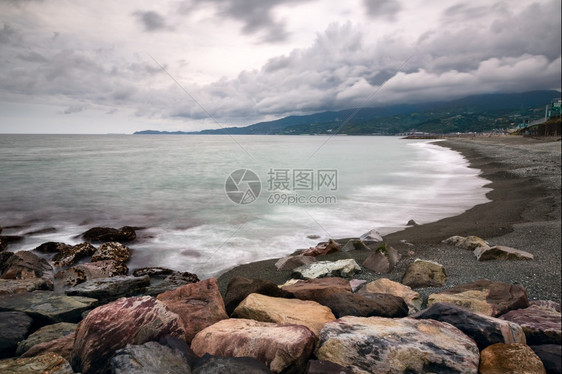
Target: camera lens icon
<point>243,186</point>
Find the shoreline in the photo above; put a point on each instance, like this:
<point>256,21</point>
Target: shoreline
<point>524,213</point>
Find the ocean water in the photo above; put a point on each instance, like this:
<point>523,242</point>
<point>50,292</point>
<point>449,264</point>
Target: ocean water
<point>178,189</point>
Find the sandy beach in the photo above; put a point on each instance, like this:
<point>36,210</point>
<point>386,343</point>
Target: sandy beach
<point>524,213</point>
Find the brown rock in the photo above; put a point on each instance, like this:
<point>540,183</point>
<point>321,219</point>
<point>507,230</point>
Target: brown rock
<point>107,234</point>
<point>113,251</point>
<point>13,286</point>
<point>162,279</point>
<point>134,320</point>
<point>384,285</point>
<point>541,322</point>
<point>198,305</point>
<point>383,260</point>
<point>499,252</point>
<point>484,296</point>
<point>48,363</point>
<point>62,346</point>
<point>365,305</point>
<point>292,262</point>
<point>283,348</point>
<point>514,358</point>
<point>287,311</point>
<point>470,242</point>
<point>313,289</point>
<point>45,334</point>
<point>239,288</point>
<point>70,254</point>
<point>90,270</point>
<point>423,273</point>
<point>326,367</point>
<point>24,265</point>
<point>322,249</point>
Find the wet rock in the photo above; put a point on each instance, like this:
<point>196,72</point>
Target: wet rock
<point>150,357</point>
<point>469,242</point>
<point>46,307</point>
<point>209,364</point>
<point>397,346</point>
<point>355,245</point>
<point>484,330</point>
<point>514,358</point>
<point>422,273</point>
<point>551,357</point>
<point>6,240</point>
<point>386,286</point>
<point>90,270</point>
<point>541,322</point>
<point>113,251</point>
<point>283,348</point>
<point>314,289</point>
<point>291,262</point>
<point>484,296</point>
<point>499,252</point>
<point>366,305</point>
<point>326,367</point>
<point>14,327</point>
<point>162,279</point>
<point>45,334</point>
<point>49,363</point>
<point>51,247</point>
<point>109,289</point>
<point>239,288</point>
<point>289,311</point>
<point>383,260</point>
<point>198,305</point>
<point>12,286</point>
<point>134,320</point>
<point>70,254</point>
<point>107,234</point>
<point>62,346</point>
<point>322,249</point>
<point>321,269</point>
<point>372,236</point>
<point>412,223</point>
<point>26,265</point>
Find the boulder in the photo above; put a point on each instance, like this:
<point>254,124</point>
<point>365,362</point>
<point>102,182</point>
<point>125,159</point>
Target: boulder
<point>321,269</point>
<point>291,262</point>
<point>14,327</point>
<point>134,320</point>
<point>355,245</point>
<point>51,247</point>
<point>45,334</point>
<point>239,288</point>
<point>422,273</point>
<point>109,289</point>
<point>288,311</point>
<point>162,279</point>
<point>313,289</point>
<point>384,285</point>
<point>26,265</point>
<point>107,234</point>
<point>113,251</point>
<point>484,330</point>
<point>484,296</point>
<point>326,367</point>
<point>551,357</point>
<point>6,240</point>
<point>412,223</point>
<point>365,305</point>
<point>150,357</point>
<point>90,270</point>
<point>62,346</point>
<point>198,305</point>
<point>382,260</point>
<point>49,363</point>
<point>499,252</point>
<point>12,286</point>
<point>322,249</point>
<point>469,242</point>
<point>70,254</point>
<point>283,348</point>
<point>372,236</point>
<point>402,345</point>
<point>46,307</point>
<point>541,322</point>
<point>514,358</point>
<point>209,364</point>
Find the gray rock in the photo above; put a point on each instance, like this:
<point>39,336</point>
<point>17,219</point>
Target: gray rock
<point>45,334</point>
<point>209,364</point>
<point>371,236</point>
<point>149,357</point>
<point>354,245</point>
<point>12,286</point>
<point>341,268</point>
<point>162,279</point>
<point>551,357</point>
<point>499,252</point>
<point>292,262</point>
<point>50,363</point>
<point>326,367</point>
<point>46,307</point>
<point>109,289</point>
<point>14,327</point>
<point>107,234</point>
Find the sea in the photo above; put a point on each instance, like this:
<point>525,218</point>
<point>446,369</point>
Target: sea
<point>206,203</point>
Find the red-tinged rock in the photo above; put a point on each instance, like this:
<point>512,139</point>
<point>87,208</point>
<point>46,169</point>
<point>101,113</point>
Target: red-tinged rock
<point>322,249</point>
<point>199,305</point>
<point>514,358</point>
<point>61,346</point>
<point>314,289</point>
<point>541,322</point>
<point>283,348</point>
<point>239,288</point>
<point>134,320</point>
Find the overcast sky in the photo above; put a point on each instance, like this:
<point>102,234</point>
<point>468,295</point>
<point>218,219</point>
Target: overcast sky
<point>117,66</point>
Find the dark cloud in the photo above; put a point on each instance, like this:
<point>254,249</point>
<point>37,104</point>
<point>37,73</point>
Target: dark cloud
<point>8,34</point>
<point>151,21</point>
<point>387,9</point>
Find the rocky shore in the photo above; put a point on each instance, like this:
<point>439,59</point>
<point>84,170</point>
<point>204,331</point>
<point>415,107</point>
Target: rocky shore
<point>479,292</point>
